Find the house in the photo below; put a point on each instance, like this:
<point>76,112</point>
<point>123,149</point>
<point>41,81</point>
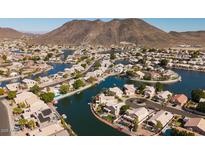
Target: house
<point>179,99</point>
<point>13,86</point>
<point>163,96</point>
<point>162,116</point>
<point>113,108</point>
<point>13,74</point>
<point>140,113</point>
<point>149,91</point>
<point>44,79</point>
<point>29,83</point>
<point>78,68</point>
<point>117,91</point>
<point>129,89</point>
<point>139,74</point>
<point>154,75</point>
<point>196,124</point>
<point>102,99</point>
<point>48,130</point>
<point>26,97</point>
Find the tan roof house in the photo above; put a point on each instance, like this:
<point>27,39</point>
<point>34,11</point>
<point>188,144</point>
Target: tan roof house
<point>196,124</point>
<point>179,99</point>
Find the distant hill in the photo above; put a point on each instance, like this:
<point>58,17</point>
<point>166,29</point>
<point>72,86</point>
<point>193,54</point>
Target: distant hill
<point>106,33</point>
<point>189,37</point>
<point>8,33</point>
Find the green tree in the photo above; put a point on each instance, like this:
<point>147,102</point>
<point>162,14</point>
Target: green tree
<point>176,132</point>
<point>163,62</point>
<point>78,75</point>
<point>159,125</point>
<point>37,79</point>
<point>65,76</point>
<point>4,57</point>
<point>31,124</point>
<point>11,94</point>
<point>130,73</point>
<point>112,56</point>
<point>22,105</point>
<point>91,79</point>
<point>97,65</point>
<point>123,109</point>
<point>83,65</point>
<point>159,87</point>
<point>136,123</point>
<point>35,89</point>
<point>141,88</point>
<point>47,97</point>
<point>201,107</point>
<point>78,83</point>
<point>22,122</point>
<point>2,91</point>
<point>64,88</point>
<point>17,110</point>
<point>197,94</point>
<point>147,77</point>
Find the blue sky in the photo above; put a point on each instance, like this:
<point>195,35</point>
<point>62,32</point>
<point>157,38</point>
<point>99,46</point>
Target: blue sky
<point>48,24</point>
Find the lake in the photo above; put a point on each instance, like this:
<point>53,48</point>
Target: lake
<point>78,113</point>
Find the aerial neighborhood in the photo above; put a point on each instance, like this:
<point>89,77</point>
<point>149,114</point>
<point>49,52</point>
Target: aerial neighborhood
<point>51,89</point>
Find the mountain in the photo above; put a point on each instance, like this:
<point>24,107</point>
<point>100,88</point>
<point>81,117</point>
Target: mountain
<point>189,37</point>
<point>8,33</point>
<point>78,32</point>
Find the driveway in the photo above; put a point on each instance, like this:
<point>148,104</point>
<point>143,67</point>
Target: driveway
<point>134,102</point>
<point>4,121</point>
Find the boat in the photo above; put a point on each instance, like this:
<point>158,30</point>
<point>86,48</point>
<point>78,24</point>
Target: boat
<point>64,116</point>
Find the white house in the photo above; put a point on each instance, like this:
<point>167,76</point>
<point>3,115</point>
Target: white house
<point>117,91</point>
<point>140,113</point>
<point>13,74</point>
<point>113,108</point>
<point>29,83</point>
<point>129,89</point>
<point>13,86</point>
<point>163,96</point>
<point>162,116</point>
<point>149,91</point>
<point>139,74</point>
<point>102,99</point>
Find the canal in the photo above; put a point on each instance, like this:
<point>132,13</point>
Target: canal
<point>78,113</point>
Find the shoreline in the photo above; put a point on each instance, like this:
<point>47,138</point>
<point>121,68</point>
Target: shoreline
<point>83,88</point>
<point>187,69</point>
<point>120,129</point>
<point>154,82</point>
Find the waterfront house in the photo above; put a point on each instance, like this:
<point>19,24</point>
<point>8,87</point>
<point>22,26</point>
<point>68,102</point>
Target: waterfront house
<point>162,116</point>
<point>102,99</point>
<point>113,107</point>
<point>29,83</point>
<point>149,91</point>
<point>129,89</point>
<point>196,124</point>
<point>140,113</point>
<point>179,99</point>
<point>117,91</point>
<point>163,96</point>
